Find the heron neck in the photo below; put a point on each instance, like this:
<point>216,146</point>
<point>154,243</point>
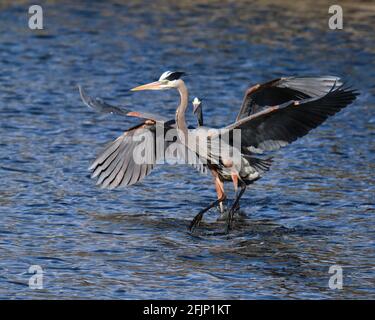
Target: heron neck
<point>180,112</point>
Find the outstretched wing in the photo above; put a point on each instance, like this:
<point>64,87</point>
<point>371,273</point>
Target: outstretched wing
<point>116,166</point>
<point>281,90</point>
<point>101,106</point>
<point>279,125</point>
<point>133,155</point>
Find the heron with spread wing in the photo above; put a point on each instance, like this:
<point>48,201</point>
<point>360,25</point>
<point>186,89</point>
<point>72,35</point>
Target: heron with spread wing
<point>272,115</point>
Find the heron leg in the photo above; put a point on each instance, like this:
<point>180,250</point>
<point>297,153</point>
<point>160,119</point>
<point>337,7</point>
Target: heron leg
<point>237,208</point>
<point>197,219</point>
<point>235,179</point>
<point>219,185</point>
<point>235,205</point>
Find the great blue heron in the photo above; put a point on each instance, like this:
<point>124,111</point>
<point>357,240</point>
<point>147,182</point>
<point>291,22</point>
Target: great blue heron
<point>272,115</point>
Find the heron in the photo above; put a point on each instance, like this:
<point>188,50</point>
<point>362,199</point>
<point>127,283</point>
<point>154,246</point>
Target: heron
<point>108,171</point>
<point>272,115</point>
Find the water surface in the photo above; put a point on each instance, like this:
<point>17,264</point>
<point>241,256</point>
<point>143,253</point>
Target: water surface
<point>313,210</point>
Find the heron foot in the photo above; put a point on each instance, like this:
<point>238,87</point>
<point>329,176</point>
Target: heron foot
<point>224,214</point>
<point>235,206</point>
<point>222,209</point>
<point>196,221</point>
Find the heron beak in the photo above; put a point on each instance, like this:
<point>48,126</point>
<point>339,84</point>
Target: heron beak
<point>157,85</point>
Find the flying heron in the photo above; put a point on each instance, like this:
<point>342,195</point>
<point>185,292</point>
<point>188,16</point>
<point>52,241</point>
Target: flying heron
<point>272,115</point>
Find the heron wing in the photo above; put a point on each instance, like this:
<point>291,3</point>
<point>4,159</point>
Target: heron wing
<point>116,165</point>
<point>133,155</point>
<point>101,106</point>
<point>281,90</point>
<point>279,125</point>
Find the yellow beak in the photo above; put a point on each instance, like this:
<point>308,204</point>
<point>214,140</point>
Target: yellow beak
<point>149,86</point>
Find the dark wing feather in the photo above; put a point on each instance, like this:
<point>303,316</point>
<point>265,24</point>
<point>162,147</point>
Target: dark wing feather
<point>281,90</point>
<point>260,165</point>
<point>101,106</point>
<point>277,126</point>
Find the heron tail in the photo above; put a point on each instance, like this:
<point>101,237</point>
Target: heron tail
<point>260,165</point>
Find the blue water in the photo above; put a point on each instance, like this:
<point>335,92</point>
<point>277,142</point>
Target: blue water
<point>314,209</point>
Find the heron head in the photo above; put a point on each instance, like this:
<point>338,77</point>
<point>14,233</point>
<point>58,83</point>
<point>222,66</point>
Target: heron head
<point>197,105</point>
<point>168,80</point>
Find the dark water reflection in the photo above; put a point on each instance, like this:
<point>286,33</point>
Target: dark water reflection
<point>314,209</point>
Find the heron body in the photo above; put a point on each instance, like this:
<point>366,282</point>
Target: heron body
<point>251,168</point>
